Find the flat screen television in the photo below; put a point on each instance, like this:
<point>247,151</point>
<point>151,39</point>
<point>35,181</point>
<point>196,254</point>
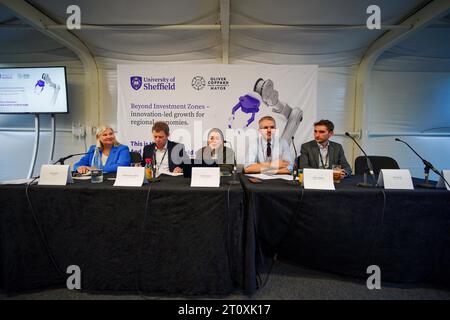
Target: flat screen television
<point>33,90</point>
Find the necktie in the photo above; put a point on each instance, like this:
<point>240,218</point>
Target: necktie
<point>269,150</point>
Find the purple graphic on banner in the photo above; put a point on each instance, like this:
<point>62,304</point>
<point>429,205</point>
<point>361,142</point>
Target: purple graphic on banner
<point>247,104</point>
<point>136,82</point>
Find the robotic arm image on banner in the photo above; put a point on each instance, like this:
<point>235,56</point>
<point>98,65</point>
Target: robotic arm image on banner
<point>294,116</point>
<point>46,81</point>
<point>264,92</point>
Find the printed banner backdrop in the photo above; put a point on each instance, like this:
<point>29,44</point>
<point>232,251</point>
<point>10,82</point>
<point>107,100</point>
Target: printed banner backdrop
<point>196,98</point>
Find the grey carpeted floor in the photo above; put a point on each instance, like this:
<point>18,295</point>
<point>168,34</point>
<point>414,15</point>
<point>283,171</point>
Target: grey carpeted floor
<point>286,281</point>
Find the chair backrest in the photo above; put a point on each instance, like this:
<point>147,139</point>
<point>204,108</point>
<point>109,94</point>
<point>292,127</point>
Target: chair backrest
<point>135,157</point>
<point>378,162</point>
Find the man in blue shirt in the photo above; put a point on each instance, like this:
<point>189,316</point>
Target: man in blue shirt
<point>269,154</point>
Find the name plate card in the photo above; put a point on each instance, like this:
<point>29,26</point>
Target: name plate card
<point>54,175</point>
<point>318,179</point>
<point>205,177</point>
<point>399,179</point>
<point>130,177</point>
<point>441,182</point>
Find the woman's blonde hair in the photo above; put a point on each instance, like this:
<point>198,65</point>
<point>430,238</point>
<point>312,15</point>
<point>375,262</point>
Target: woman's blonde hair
<point>100,131</point>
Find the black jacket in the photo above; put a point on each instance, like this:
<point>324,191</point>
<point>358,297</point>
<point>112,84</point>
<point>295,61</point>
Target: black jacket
<point>175,152</point>
<point>309,156</point>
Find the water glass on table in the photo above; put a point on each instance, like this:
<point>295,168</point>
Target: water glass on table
<point>337,169</point>
<point>96,175</point>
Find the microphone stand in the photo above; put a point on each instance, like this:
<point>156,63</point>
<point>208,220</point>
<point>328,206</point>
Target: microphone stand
<point>295,167</point>
<point>155,166</point>
<point>61,160</point>
<point>426,169</point>
<point>368,170</point>
<point>234,172</point>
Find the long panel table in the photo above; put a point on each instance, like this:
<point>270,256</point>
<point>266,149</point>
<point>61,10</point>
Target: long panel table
<point>405,233</point>
<point>190,240</point>
<point>207,240</point>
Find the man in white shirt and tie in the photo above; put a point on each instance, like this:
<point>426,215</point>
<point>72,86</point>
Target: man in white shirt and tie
<point>270,154</point>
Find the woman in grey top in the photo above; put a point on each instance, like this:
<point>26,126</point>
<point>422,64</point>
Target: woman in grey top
<point>216,152</point>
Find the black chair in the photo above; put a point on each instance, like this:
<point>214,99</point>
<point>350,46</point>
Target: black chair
<point>378,162</point>
<point>135,157</point>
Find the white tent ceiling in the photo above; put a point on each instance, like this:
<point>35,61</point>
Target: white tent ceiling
<point>329,33</point>
<point>189,30</point>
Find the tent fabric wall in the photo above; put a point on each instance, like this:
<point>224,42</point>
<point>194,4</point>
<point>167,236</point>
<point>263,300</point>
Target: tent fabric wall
<point>410,102</point>
<point>410,93</point>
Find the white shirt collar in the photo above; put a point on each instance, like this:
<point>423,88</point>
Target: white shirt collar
<point>163,149</point>
<point>324,147</point>
<point>264,141</point>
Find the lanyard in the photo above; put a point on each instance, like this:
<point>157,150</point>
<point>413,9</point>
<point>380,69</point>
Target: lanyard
<point>326,158</point>
<point>162,159</point>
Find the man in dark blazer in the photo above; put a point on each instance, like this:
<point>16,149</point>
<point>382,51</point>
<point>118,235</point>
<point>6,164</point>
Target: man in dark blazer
<point>168,156</point>
<point>321,153</point>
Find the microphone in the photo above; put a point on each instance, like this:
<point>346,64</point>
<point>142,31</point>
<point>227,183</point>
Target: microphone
<point>369,166</point>
<point>234,173</point>
<point>425,162</point>
<point>61,160</point>
<point>155,167</point>
<point>426,169</point>
<point>154,164</point>
<point>231,147</point>
<point>295,164</point>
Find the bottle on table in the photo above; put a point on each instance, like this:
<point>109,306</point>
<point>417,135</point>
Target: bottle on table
<point>300,176</point>
<point>96,167</point>
<point>148,169</point>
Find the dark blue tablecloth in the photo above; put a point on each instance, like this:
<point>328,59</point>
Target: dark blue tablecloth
<point>191,241</point>
<point>405,233</point>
